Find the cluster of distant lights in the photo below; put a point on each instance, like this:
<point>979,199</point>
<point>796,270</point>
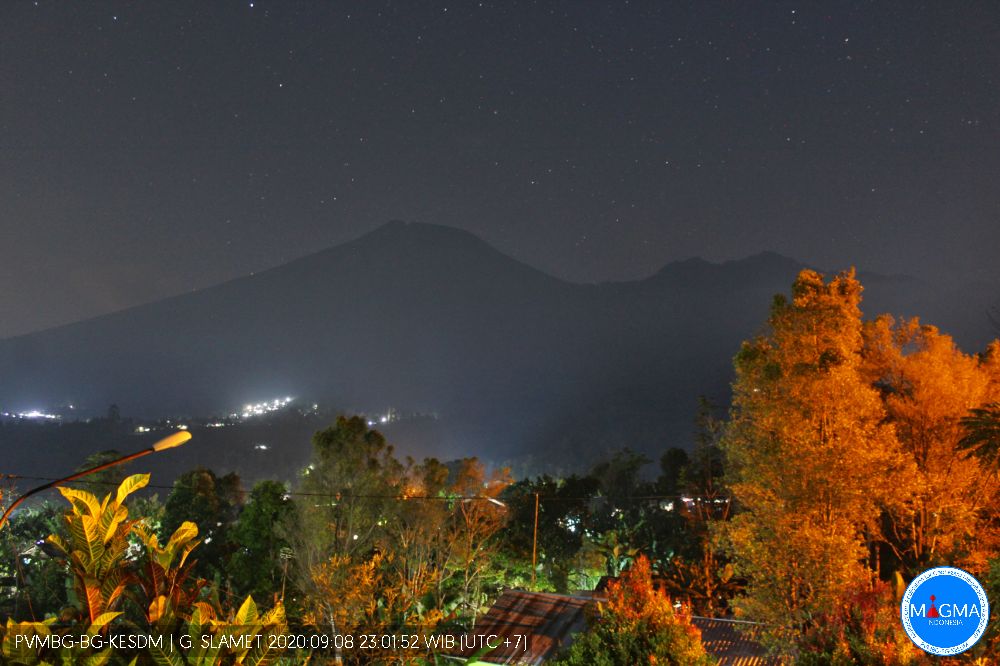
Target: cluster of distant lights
<point>34,415</point>
<point>249,411</point>
<point>261,408</point>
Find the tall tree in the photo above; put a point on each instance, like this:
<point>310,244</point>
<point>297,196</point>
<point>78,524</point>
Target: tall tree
<point>701,574</point>
<point>564,519</point>
<point>256,566</point>
<point>212,502</point>
<point>476,518</point>
<point>928,385</point>
<point>422,536</point>
<point>347,494</point>
<point>808,455</point>
<point>350,487</point>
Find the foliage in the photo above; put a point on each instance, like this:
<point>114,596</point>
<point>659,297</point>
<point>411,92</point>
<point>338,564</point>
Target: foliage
<point>625,518</point>
<point>988,648</point>
<point>848,455</point>
<point>809,452</point>
<point>16,648</point>
<point>112,579</point>
<point>475,518</point>
<point>701,574</point>
<point>101,482</point>
<point>418,539</point>
<point>98,545</point>
<point>349,487</point>
<point>166,589</point>
<point>863,629</point>
<point>637,625</point>
<point>96,549</point>
<point>212,502</point>
<point>563,521</point>
<point>41,580</point>
<point>241,639</point>
<point>256,567</point>
<point>350,598</point>
<point>927,386</point>
<point>982,426</point>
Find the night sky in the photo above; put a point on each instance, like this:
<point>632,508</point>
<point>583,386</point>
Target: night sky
<point>148,149</point>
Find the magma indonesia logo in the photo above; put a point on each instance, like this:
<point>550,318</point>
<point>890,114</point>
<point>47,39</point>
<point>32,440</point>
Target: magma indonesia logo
<point>945,611</point>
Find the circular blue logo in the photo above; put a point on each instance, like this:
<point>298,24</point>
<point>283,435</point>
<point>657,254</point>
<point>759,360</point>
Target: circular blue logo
<point>945,611</point>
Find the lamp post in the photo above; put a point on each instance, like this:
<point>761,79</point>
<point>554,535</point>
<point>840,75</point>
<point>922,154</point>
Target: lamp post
<point>168,442</point>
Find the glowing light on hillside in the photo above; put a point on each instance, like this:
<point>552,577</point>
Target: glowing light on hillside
<point>34,415</point>
<point>261,408</point>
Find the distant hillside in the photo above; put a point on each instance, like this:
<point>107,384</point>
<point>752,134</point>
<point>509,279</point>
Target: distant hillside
<point>518,364</point>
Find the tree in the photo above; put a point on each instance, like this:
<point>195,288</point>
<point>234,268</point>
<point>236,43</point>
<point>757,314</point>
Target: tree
<point>701,574</point>
<point>256,567</point>
<point>472,526</point>
<point>625,520</point>
<point>989,646</point>
<point>347,495</point>
<point>41,579</point>
<point>928,386</point>
<point>637,625</point>
<point>353,479</point>
<point>811,461</point>
<point>563,520</point>
<point>211,502</point>
<point>421,537</point>
<point>672,465</point>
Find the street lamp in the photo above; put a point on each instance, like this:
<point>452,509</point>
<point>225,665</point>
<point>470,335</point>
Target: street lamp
<point>168,442</point>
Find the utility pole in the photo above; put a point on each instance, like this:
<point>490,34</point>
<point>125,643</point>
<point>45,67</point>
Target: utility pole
<point>534,546</point>
<point>285,554</point>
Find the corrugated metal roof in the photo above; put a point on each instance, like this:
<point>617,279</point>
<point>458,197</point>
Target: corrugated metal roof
<point>733,642</point>
<point>537,624</point>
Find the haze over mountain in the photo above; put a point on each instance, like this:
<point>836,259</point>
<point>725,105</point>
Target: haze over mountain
<point>516,364</point>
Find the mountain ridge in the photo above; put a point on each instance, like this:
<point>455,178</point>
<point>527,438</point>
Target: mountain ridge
<point>394,230</point>
<point>433,319</point>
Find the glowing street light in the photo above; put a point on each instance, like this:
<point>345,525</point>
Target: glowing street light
<point>168,442</point>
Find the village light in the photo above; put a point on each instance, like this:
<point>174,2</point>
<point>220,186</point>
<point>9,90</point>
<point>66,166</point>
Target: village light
<point>168,442</point>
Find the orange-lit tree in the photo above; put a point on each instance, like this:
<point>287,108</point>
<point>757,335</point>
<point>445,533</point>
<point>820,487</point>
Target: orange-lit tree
<point>946,511</point>
<point>637,625</point>
<point>808,452</point>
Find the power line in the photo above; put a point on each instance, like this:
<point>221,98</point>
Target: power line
<point>440,498</point>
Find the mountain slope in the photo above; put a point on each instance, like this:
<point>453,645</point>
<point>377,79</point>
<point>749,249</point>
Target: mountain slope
<point>432,319</point>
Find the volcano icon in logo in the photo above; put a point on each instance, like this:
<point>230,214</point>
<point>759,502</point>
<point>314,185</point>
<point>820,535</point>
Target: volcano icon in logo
<point>945,611</point>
